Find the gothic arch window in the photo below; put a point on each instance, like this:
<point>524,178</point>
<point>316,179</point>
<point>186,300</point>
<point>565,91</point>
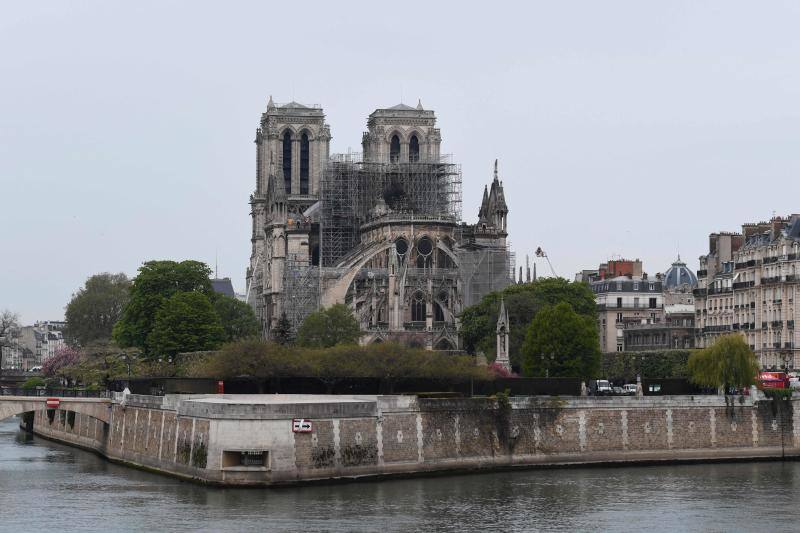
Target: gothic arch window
<point>418,309</point>
<point>438,314</point>
<point>304,151</point>
<point>413,149</point>
<point>394,149</point>
<point>287,161</point>
<point>424,251</point>
<point>443,344</point>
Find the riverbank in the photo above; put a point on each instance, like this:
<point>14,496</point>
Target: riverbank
<point>251,440</point>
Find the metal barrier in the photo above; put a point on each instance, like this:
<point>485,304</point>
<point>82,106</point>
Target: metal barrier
<point>60,393</point>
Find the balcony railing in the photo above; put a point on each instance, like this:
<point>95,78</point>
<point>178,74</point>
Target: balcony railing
<point>771,281</point>
<point>715,329</point>
<point>613,305</point>
<point>745,264</point>
<point>777,324</point>
<point>699,292</point>
<point>743,284</point>
<point>719,290</point>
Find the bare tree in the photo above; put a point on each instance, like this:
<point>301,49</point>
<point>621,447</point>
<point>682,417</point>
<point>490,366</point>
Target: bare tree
<point>9,323</point>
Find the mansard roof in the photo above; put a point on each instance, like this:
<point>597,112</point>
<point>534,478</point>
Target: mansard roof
<point>401,107</point>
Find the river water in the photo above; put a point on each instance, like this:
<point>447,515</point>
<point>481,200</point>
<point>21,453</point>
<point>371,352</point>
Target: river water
<point>49,487</point>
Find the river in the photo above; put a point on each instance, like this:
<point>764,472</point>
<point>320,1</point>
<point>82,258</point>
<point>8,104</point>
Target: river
<point>49,487</point>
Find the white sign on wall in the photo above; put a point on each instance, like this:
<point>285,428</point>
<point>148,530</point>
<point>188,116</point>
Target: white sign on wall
<point>301,425</point>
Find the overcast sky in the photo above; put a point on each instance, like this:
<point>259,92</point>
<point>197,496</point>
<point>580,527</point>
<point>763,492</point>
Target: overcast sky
<point>622,128</point>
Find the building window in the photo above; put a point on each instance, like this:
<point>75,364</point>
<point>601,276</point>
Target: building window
<point>619,317</point>
<point>287,162</point>
<point>304,166</point>
<point>418,308</point>
<point>619,302</point>
<point>394,149</point>
<point>413,149</point>
<point>652,286</point>
<point>636,302</point>
<point>653,303</point>
<point>636,286</point>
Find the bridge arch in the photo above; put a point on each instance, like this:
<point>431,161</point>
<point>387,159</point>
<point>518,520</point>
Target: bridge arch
<point>98,408</point>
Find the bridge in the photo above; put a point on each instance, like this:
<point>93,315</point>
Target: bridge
<point>99,408</point>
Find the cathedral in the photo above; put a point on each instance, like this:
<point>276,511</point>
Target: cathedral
<point>380,231</point>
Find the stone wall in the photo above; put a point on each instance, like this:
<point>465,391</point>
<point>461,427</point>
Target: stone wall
<point>401,434</point>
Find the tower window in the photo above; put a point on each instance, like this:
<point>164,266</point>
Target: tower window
<point>413,149</point>
<point>304,164</point>
<point>394,149</point>
<point>287,162</point>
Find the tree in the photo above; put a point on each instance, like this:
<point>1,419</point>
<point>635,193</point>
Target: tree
<point>186,322</point>
<point>561,343</point>
<point>96,307</point>
<point>728,363</point>
<point>9,325</point>
<point>64,357</point>
<point>329,327</point>
<point>156,283</point>
<point>101,361</point>
<point>282,332</point>
<point>237,318</point>
<point>523,302</point>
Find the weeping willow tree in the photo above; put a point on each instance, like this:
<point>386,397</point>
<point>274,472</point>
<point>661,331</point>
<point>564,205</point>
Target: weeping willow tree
<point>729,362</point>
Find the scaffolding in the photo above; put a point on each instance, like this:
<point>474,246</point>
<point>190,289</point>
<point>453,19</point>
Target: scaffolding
<point>484,270</point>
<point>353,189</point>
<point>301,290</point>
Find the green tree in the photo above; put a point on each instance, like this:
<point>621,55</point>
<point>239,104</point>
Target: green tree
<point>156,282</point>
<point>237,318</point>
<point>186,322</point>
<point>523,302</point>
<point>282,332</point>
<point>729,362</point>
<point>32,383</point>
<point>101,361</point>
<point>96,307</point>
<point>329,327</point>
<point>561,343</point>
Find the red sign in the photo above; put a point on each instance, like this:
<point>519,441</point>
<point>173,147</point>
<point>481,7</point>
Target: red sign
<point>53,403</point>
<point>301,425</point>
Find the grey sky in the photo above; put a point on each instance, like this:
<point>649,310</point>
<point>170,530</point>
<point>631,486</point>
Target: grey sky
<point>632,128</point>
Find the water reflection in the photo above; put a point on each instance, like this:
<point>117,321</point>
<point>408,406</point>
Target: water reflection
<point>52,487</point>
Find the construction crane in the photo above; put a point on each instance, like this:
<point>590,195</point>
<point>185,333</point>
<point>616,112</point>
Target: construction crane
<point>541,253</point>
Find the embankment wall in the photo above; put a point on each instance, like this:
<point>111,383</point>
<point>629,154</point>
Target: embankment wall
<point>195,437</point>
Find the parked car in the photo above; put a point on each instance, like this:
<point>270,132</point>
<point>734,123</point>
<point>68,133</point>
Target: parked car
<point>618,391</point>
<point>630,389</point>
<point>602,387</point>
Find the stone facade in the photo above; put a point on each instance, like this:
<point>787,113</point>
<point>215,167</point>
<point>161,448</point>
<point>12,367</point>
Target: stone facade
<point>623,302</point>
<point>748,283</point>
<point>380,231</point>
<point>353,437</point>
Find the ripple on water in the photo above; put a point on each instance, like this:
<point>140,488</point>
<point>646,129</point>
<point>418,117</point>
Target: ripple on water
<point>85,493</point>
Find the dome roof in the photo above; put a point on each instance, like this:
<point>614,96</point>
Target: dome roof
<point>679,274</point>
